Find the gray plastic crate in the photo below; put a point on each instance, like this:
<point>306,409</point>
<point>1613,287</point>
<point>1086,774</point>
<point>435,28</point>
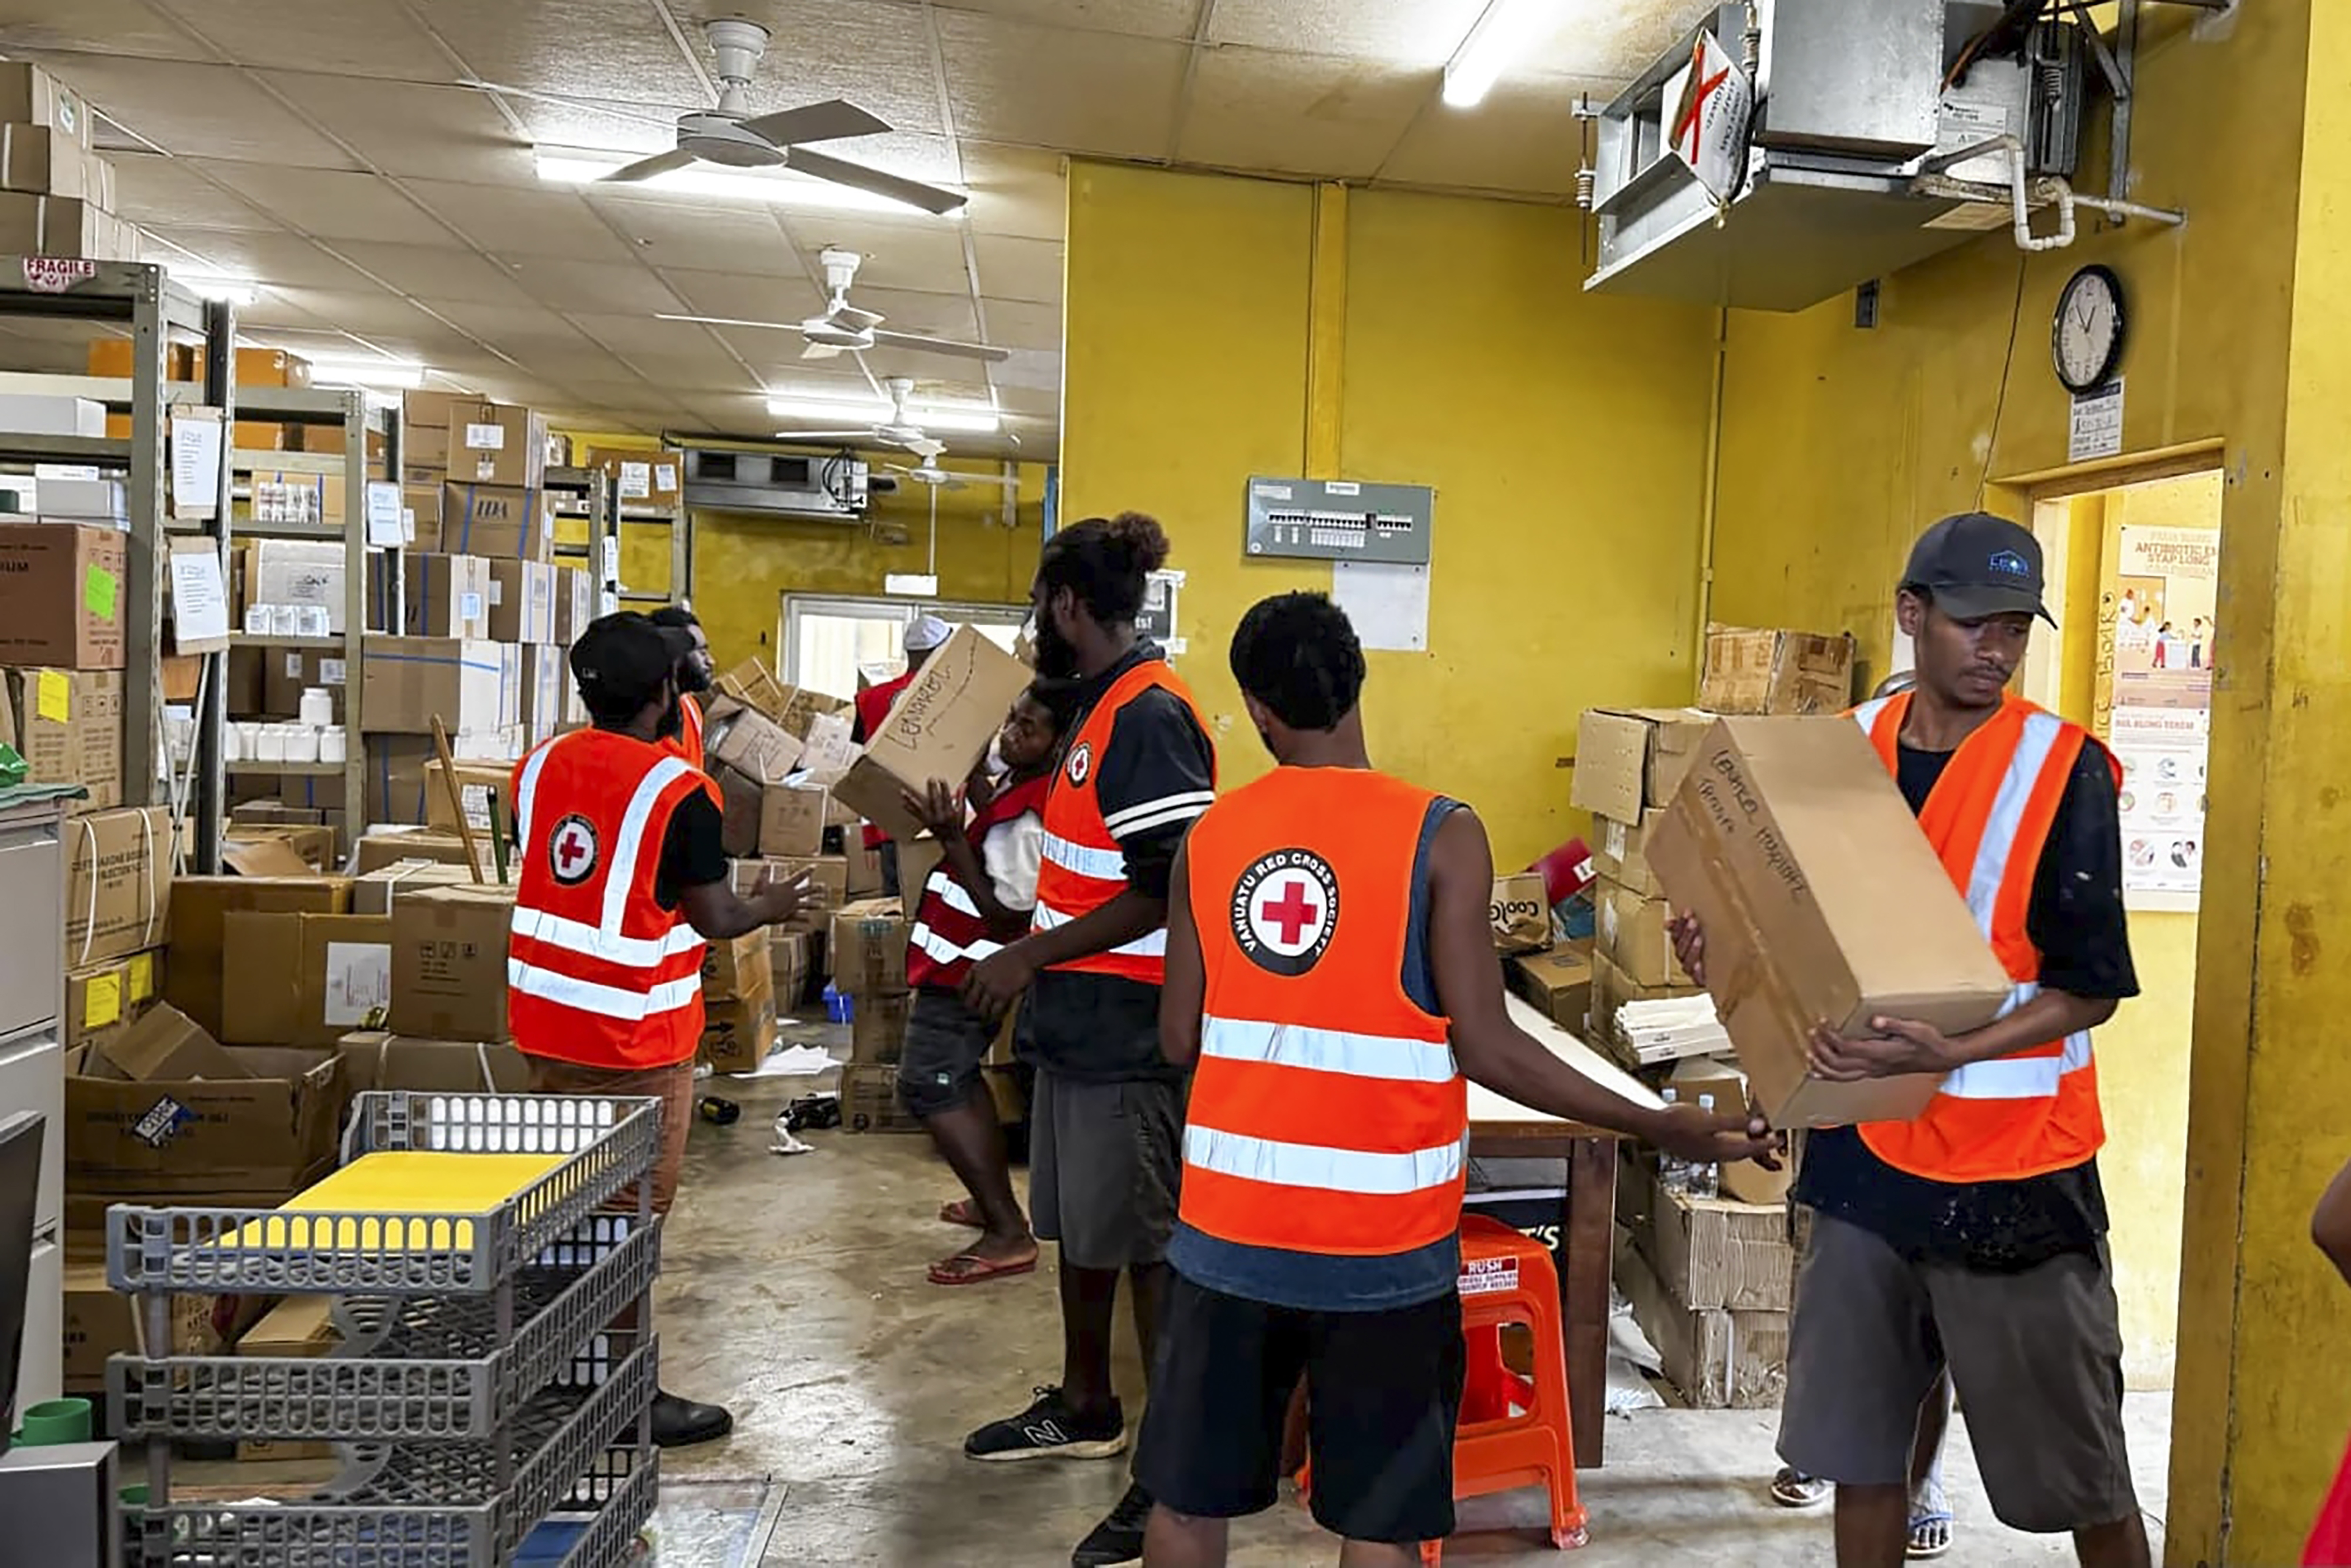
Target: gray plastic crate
<point>430,1506</point>
<point>610,1538</point>
<point>421,1368</point>
<point>609,1143</point>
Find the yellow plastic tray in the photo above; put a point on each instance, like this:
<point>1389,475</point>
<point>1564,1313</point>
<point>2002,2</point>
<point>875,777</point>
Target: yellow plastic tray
<point>412,1182</point>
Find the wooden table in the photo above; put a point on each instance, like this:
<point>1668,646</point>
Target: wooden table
<point>1503,1129</point>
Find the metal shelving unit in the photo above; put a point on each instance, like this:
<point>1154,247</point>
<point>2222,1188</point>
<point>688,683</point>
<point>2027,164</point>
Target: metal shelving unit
<point>481,1385</point>
<point>143,299</point>
<point>589,494</point>
<point>680,524</point>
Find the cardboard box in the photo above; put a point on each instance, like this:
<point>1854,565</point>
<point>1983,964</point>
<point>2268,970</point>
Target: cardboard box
<point>789,966</point>
<point>739,802</point>
<point>939,728</point>
<point>1612,988</point>
<point>382,890</point>
<point>403,783</point>
<point>300,572</point>
<point>1719,1360</point>
<point>498,521</point>
<point>1772,672</point>
<point>31,96</point>
<point>68,726</point>
<point>200,909</point>
<point>100,1324</point>
<point>542,693</point>
<point>643,478</point>
<point>738,1032</point>
<point>408,682</point>
<point>575,603</point>
<point>44,162</point>
<point>60,227</point>
<point>276,852</point>
<point>754,684</point>
<point>916,861</point>
<point>264,1132</point>
<point>738,967</point>
<point>1744,1181</point>
<point>869,948</point>
<point>497,443</point>
<point>1522,912</point>
<point>442,595</point>
<point>791,820</point>
<point>1714,1253</point>
<point>1820,900</point>
<point>1627,760</point>
<point>117,882</point>
<point>380,1059</point>
<point>290,495</point>
<point>478,782</point>
<point>522,601</point>
<point>304,979</point>
<point>828,886</point>
<point>1558,984</point>
<point>62,595</point>
<point>449,963</point>
<point>865,868</point>
<point>751,742</point>
<point>1631,929</point>
<point>869,1102</point>
<point>390,845</point>
<point>103,1001</point>
<point>1621,855</point>
<point>877,1030</point>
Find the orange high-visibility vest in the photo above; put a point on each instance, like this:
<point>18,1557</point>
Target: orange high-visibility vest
<point>2036,1111</point>
<point>1327,1114</point>
<point>687,742</point>
<point>597,972</point>
<point>1084,868</point>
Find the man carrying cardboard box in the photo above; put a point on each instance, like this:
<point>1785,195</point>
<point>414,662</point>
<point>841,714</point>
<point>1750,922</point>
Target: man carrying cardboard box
<point>623,878</point>
<point>925,634</point>
<point>1974,1237</point>
<point>1138,767</point>
<point>1331,968</point>
<point>696,672</point>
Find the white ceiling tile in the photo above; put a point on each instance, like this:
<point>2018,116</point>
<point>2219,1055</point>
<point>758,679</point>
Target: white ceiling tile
<point>1609,44</point>
<point>514,331</point>
<point>925,256</point>
<point>1142,18</point>
<point>276,259</point>
<point>1022,324</point>
<point>1028,269</point>
<point>198,111</point>
<point>366,311</point>
<point>931,315</point>
<point>936,378</point>
<point>1035,368</point>
<point>570,286</point>
<point>746,297</point>
<point>173,191</point>
<point>630,392</point>
<point>32,29</point>
<point>597,50</point>
<point>877,56</point>
<point>1523,139</point>
<point>903,153</point>
<point>1041,402</point>
<point>271,308</point>
<point>1423,33</point>
<point>720,236</point>
<point>435,274</point>
<point>832,381</point>
<point>772,354</point>
<point>583,365</point>
<point>400,128</point>
<point>1049,87</point>
<point>677,373</point>
<point>1015,191</point>
<point>332,204</point>
<point>632,335</point>
<point>521,222</point>
<point>347,36</point>
<point>1297,114</point>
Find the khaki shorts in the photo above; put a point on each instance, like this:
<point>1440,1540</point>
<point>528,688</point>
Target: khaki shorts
<point>671,1085</point>
<point>2036,1358</point>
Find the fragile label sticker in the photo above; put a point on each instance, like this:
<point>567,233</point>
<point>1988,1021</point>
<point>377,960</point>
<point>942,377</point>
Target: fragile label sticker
<point>485,437</point>
<point>162,1122</point>
<point>55,275</point>
<point>1490,1276</point>
<point>54,698</point>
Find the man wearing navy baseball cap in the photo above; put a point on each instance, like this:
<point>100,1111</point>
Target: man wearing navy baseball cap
<point>1973,1240</point>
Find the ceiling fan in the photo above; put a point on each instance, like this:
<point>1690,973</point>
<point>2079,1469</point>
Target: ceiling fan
<point>844,329</point>
<point>898,429</point>
<point>929,473</point>
<point>728,134</point>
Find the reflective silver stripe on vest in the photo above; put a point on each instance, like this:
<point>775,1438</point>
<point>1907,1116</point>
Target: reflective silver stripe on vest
<point>1866,714</point>
<point>526,791</point>
<point>1389,1056</point>
<point>1998,841</point>
<point>605,940</point>
<point>622,876</point>
<point>1151,945</point>
<point>592,996</point>
<point>951,894</point>
<point>946,952</point>
<point>579,937</point>
<point>1323,1169</point>
<point>1102,865</point>
<point>2020,1077</point>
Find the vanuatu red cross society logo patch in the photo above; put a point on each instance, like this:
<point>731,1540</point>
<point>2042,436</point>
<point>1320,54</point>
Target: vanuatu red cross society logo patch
<point>1284,910</point>
<point>1082,763</point>
<point>571,849</point>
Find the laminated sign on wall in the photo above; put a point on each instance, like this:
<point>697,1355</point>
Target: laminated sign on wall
<point>1709,103</point>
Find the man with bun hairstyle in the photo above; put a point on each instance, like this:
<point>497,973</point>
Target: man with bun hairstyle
<point>1106,1128</point>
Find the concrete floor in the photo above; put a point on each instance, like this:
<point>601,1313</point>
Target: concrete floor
<point>793,1291</point>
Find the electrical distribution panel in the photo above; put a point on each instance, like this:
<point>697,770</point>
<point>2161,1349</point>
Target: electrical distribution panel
<point>1339,519</point>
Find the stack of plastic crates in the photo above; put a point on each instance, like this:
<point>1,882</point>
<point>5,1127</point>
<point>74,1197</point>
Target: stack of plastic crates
<point>481,1387</point>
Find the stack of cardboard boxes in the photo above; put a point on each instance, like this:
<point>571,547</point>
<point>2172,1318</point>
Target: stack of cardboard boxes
<point>1628,762</point>
<point>738,998</point>
<point>56,196</point>
<point>869,967</point>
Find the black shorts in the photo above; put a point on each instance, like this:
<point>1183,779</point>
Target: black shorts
<point>1384,1392</point>
<point>938,1068</point>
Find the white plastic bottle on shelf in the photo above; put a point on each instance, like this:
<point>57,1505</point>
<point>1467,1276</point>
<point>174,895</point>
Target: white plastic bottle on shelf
<point>1704,1178</point>
<point>1673,1171</point>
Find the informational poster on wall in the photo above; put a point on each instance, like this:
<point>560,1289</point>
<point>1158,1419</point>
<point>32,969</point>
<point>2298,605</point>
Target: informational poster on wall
<point>2159,627</point>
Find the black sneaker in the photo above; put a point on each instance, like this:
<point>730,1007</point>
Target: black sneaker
<point>1051,1429</point>
<point>1119,1537</point>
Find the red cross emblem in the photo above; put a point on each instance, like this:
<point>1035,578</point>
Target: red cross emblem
<point>1694,93</point>
<point>1292,912</point>
<point>571,850</point>
<point>1284,909</point>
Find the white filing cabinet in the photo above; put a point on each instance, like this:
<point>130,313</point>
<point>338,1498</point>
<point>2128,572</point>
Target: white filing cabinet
<point>32,1060</point>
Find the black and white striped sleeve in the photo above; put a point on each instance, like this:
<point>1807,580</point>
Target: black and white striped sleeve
<point>1157,775</point>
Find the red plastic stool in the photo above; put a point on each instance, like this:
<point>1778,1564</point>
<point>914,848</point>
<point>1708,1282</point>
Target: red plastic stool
<point>1513,1431</point>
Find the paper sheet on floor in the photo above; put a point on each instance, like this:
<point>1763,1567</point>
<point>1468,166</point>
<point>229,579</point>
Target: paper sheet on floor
<point>793,1062</point>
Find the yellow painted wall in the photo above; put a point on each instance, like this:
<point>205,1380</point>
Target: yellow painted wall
<point>744,563</point>
<point>1840,445</point>
<point>1565,437</point>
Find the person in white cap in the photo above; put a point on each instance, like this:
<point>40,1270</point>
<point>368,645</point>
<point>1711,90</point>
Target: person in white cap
<point>924,635</point>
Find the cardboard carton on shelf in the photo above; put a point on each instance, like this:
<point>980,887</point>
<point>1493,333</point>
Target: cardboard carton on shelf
<point>68,726</point>
<point>1632,930</point>
<point>497,443</point>
<point>408,682</point>
<point>1821,900</point>
<point>62,595</point>
<point>117,882</point>
<point>575,604</point>
<point>43,162</point>
<point>1558,984</point>
<point>388,844</point>
<point>67,228</point>
<point>1628,759</point>
<point>281,849</point>
<point>791,820</point>
<point>939,728</point>
<point>380,891</point>
<point>103,1001</point>
<point>30,96</point>
<point>869,948</point>
<point>1621,855</point>
<point>1755,671</point>
<point>449,963</point>
<point>442,595</point>
<point>307,572</point>
<point>479,781</point>
<point>200,909</point>
<point>649,478</point>
<point>521,601</point>
<point>299,1328</point>
<point>102,1322</point>
<point>304,979</point>
<point>499,521</point>
<point>380,1060</point>
<point>1522,912</point>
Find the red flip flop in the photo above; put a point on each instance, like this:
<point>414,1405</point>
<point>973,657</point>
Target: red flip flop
<point>962,1211</point>
<point>969,1268</point>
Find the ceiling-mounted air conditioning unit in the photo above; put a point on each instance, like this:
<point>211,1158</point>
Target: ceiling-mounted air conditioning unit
<point>835,488</point>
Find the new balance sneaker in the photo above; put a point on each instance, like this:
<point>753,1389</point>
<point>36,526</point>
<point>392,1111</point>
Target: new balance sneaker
<point>1051,1429</point>
<point>1119,1537</point>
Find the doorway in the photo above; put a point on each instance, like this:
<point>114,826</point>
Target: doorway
<point>838,644</point>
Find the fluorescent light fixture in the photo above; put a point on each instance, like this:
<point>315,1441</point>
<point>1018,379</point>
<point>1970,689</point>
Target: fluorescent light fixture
<point>910,584</point>
<point>966,417</point>
<point>367,373</point>
<point>1495,39</point>
<point>579,166</point>
<point>233,290</point>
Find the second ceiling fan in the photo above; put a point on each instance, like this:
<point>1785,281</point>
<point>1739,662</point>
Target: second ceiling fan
<point>846,329</point>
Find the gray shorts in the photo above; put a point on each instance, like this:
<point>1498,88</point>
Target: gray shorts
<point>1104,1161</point>
<point>938,1068</point>
<point>2035,1356</point>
